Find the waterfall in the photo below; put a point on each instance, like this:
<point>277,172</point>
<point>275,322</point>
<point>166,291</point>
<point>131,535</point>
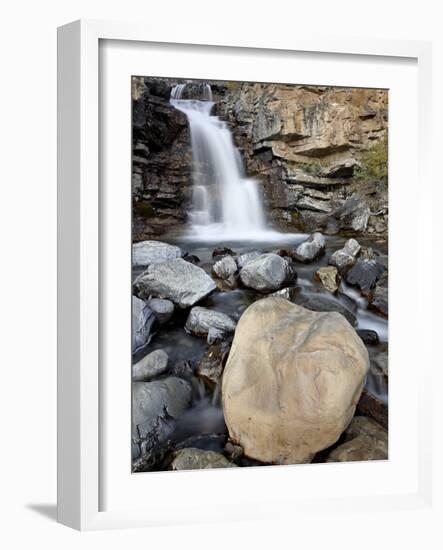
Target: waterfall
<point>225,203</point>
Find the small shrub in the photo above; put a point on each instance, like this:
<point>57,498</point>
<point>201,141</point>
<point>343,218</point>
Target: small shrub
<point>374,162</point>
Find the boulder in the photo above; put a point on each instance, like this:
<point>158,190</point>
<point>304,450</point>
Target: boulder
<point>310,249</point>
<point>344,258</point>
<point>199,459</point>
<point>287,293</point>
<point>162,309</point>
<point>153,252</point>
<point>152,365</point>
<point>154,404</point>
<point>365,440</point>
<point>142,321</point>
<point>214,324</point>
<point>329,278</point>
<point>181,282</point>
<point>212,363</point>
<point>225,267</point>
<point>247,257</point>
<point>292,381</point>
<point>268,272</point>
<point>364,275</point>
<point>378,300</point>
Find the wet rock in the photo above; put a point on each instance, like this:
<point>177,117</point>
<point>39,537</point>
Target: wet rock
<point>378,300</point>
<point>364,275</point>
<point>192,259</point>
<point>380,363</point>
<point>246,258</point>
<point>369,337</point>
<point>268,272</point>
<point>212,363</point>
<point>329,278</point>
<point>226,285</point>
<point>346,257</point>
<point>183,369</point>
<point>310,249</point>
<point>365,440</point>
<point>152,365</point>
<point>181,282</point>
<point>288,293</point>
<point>199,459</point>
<point>153,252</point>
<point>153,405</point>
<point>142,322</point>
<point>222,251</point>
<point>162,309</point>
<point>209,322</point>
<point>323,303</point>
<point>234,452</point>
<point>225,267</point>
<point>293,392</point>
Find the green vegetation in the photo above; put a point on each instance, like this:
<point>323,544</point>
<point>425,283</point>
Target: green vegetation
<point>374,162</point>
<point>313,168</point>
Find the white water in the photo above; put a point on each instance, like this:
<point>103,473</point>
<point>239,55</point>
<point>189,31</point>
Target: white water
<point>226,205</point>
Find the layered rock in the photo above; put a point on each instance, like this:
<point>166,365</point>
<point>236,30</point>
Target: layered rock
<point>294,391</point>
<point>142,323</point>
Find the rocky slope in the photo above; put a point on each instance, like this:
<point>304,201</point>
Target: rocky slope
<point>306,145</point>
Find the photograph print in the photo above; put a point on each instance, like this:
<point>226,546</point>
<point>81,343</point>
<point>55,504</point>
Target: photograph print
<point>259,274</point>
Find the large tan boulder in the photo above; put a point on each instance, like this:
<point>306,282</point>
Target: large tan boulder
<point>292,381</point>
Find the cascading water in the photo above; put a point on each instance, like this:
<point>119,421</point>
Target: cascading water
<point>225,203</point>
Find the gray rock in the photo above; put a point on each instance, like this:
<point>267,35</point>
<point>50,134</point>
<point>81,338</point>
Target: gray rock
<point>365,440</point>
<point>380,363</point>
<point>310,249</point>
<point>152,252</point>
<point>162,309</point>
<point>198,459</point>
<point>142,321</point>
<point>364,275</point>
<point>152,365</point>
<point>153,405</point>
<point>344,258</point>
<point>208,322</point>
<point>268,272</point>
<point>246,258</point>
<point>369,337</point>
<point>182,282</point>
<point>225,267</point>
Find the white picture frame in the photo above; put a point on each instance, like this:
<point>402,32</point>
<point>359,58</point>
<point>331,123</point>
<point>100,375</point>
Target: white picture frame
<point>80,257</point>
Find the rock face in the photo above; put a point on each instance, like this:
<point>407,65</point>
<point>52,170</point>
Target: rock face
<point>266,273</point>
<point>225,267</point>
<point>198,459</point>
<point>154,252</point>
<point>152,365</point>
<point>329,278</point>
<point>292,381</point>
<point>344,258</point>
<point>310,249</point>
<point>162,309</point>
<point>209,322</point>
<point>142,321</point>
<point>305,144</point>
<point>153,403</point>
<point>181,282</point>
